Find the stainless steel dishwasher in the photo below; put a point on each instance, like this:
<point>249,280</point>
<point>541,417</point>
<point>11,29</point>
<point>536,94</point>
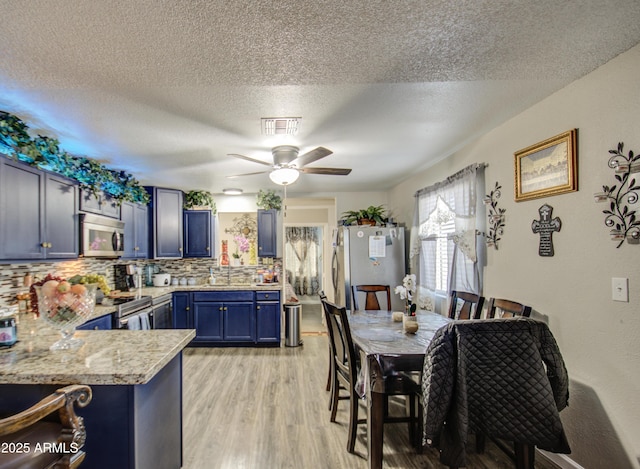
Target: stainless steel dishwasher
<point>161,312</point>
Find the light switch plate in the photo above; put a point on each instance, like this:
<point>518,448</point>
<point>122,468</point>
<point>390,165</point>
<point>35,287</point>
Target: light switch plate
<point>620,289</point>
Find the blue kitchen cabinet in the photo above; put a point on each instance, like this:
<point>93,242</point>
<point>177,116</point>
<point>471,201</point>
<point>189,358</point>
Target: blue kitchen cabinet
<point>267,221</point>
<point>229,317</point>
<point>198,233</point>
<point>239,321</point>
<point>38,214</point>
<point>103,323</point>
<point>268,317</point>
<point>136,230</point>
<point>182,314</point>
<point>165,223</point>
<point>61,218</point>
<point>100,204</point>
<point>208,320</point>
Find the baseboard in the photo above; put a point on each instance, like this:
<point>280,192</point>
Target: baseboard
<point>562,460</point>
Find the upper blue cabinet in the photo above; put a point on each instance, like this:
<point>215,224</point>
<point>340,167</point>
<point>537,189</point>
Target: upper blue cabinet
<point>165,223</point>
<point>198,233</point>
<point>267,228</point>
<point>100,204</point>
<point>38,213</point>
<point>136,230</point>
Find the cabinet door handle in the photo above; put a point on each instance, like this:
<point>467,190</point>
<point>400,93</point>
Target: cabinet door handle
<point>257,307</point>
<point>180,249</point>
<point>220,308</point>
<point>44,245</point>
<point>186,309</point>
<point>225,308</point>
<point>266,295</point>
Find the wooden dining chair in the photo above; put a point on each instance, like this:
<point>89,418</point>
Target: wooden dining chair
<point>323,299</point>
<point>371,296</point>
<point>35,426</point>
<point>345,369</point>
<point>506,308</point>
<point>465,305</point>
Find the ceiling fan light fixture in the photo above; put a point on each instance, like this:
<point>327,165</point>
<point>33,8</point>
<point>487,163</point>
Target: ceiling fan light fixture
<point>280,125</point>
<point>284,176</point>
<point>232,191</point>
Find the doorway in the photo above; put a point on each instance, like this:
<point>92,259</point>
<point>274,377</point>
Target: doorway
<point>304,267</point>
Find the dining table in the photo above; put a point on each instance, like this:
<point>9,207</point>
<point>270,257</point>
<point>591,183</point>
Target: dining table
<point>385,351</point>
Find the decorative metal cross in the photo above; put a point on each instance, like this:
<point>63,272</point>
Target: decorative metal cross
<point>546,226</point>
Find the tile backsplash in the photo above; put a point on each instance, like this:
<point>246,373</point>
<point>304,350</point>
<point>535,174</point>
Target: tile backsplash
<point>12,275</point>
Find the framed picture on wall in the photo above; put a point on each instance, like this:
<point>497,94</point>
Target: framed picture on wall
<point>547,168</point>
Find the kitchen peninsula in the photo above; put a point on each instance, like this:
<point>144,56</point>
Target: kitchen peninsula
<point>135,417</point>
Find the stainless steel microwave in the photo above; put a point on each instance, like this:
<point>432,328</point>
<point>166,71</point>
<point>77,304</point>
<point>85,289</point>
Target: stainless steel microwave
<point>101,236</point>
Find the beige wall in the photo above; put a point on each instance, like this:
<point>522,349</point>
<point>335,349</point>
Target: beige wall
<point>599,338</point>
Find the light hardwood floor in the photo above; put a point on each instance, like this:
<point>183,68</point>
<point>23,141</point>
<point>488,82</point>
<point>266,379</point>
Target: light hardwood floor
<point>268,408</point>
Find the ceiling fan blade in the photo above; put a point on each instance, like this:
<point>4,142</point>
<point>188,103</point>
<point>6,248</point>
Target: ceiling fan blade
<point>246,174</point>
<point>253,160</point>
<point>329,171</point>
<point>311,156</point>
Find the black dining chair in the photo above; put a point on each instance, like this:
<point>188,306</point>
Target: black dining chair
<point>371,296</point>
<point>345,368</point>
<point>465,305</point>
<point>323,298</point>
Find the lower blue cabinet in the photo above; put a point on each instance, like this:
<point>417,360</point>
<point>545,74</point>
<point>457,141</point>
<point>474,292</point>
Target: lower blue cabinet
<point>103,323</point>
<point>207,321</point>
<point>244,317</point>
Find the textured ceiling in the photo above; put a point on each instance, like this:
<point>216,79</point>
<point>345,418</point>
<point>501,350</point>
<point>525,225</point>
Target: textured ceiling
<point>167,89</point>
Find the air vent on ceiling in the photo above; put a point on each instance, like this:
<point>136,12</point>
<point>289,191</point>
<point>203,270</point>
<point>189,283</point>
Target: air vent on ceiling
<point>280,125</point>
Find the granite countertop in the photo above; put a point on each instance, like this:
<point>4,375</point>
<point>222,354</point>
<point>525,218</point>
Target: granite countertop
<point>159,291</point>
<point>107,357</point>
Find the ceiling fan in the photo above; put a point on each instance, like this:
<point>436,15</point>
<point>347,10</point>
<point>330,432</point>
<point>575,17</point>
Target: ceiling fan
<point>287,164</point>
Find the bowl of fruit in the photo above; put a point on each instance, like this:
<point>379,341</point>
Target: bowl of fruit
<point>65,305</point>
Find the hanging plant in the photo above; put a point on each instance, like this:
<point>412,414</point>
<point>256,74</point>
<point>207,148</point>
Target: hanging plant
<point>268,199</point>
<point>45,153</point>
<point>194,199</point>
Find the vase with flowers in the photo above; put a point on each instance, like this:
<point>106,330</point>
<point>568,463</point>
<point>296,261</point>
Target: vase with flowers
<point>242,246</point>
<point>406,292</point>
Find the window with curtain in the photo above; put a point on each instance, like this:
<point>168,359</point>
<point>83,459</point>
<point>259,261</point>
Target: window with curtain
<point>445,247</point>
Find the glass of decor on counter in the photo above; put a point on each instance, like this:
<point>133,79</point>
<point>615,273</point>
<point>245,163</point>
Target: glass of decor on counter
<point>65,306</point>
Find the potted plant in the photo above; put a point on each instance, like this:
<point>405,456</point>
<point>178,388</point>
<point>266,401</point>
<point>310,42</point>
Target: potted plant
<point>268,199</point>
<point>372,215</point>
<point>194,200</point>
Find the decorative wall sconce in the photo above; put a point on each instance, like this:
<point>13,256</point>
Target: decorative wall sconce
<point>495,215</point>
<point>619,217</point>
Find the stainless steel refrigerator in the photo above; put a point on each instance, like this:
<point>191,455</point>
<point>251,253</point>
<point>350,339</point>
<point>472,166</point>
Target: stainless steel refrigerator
<point>367,255</point>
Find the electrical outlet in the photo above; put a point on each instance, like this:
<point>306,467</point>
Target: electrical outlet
<point>187,267</point>
<point>620,289</point>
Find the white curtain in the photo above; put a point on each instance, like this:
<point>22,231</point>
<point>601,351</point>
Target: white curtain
<point>303,256</point>
<point>448,207</point>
